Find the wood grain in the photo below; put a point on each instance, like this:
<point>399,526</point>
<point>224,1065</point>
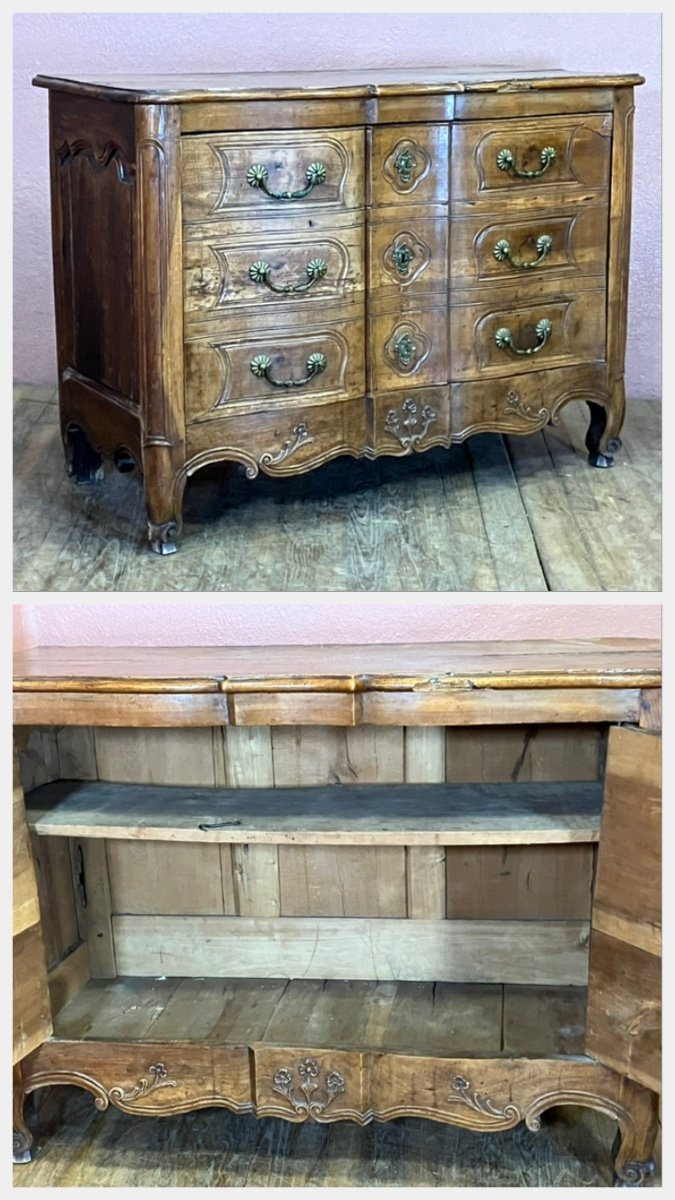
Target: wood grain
<point>32,1014</point>
<point>552,952</point>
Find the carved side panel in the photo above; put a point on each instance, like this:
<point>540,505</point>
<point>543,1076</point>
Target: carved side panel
<point>93,197</point>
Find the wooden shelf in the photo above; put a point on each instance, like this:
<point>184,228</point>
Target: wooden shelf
<point>378,814</point>
<point>412,1018</point>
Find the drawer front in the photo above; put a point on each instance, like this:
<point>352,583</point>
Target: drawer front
<point>488,157</point>
<point>296,1084</point>
<point>407,422</point>
<point>499,339</point>
<point>301,269</point>
<point>520,407</point>
<point>267,370</point>
<point>285,441</point>
<point>410,164</point>
<point>408,259</point>
<point>409,351</point>
<point>235,173</point>
<point>522,248</point>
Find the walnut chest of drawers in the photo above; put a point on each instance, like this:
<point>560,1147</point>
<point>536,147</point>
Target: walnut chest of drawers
<point>278,269</point>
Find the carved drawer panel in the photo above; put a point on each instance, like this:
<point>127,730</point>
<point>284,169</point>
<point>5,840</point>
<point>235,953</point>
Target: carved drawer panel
<point>495,249</point>
<point>287,440</point>
<point>404,423</point>
<point>324,1085</point>
<point>408,259</point>
<point>409,351</point>
<point>409,164</point>
<point>500,339</point>
<point>283,173</point>
<point>287,271</point>
<point>526,404</point>
<point>525,160</point>
<point>273,368</point>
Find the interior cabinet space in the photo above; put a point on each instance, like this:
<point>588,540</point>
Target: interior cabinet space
<point>447,917</point>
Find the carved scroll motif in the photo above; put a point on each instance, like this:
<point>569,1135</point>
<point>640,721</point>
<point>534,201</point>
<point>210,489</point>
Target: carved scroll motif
<point>515,405</point>
<point>110,153</point>
<point>410,425</point>
<point>158,1078</point>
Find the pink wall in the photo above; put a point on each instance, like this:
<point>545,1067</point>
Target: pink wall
<point>258,621</point>
<point>87,43</point>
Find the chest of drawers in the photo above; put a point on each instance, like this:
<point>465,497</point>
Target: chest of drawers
<point>343,883</point>
<point>277,270</point>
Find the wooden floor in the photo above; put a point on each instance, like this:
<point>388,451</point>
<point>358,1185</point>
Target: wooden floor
<point>429,1019</point>
<point>82,1147</point>
<point>512,514</point>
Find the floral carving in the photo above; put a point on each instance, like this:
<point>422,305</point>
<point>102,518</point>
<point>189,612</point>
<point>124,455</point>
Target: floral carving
<point>300,438</point>
<point>158,1079</point>
<point>410,425</point>
<point>492,1117</point>
<point>515,405</point>
<point>302,1095</point>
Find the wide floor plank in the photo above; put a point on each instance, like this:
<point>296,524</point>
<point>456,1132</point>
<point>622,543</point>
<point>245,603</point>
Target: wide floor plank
<point>493,514</point>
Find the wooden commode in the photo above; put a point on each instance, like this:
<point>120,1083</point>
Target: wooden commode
<point>342,883</point>
<point>277,269</point>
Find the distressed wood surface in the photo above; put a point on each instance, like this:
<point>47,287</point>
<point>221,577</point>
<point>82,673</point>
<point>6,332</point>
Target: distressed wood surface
<point>551,952</point>
<point>520,514</point>
<point>384,814</point>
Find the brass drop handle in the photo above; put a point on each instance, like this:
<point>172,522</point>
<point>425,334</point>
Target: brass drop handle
<point>257,176</point>
<point>543,328</point>
<point>260,273</point>
<point>260,366</point>
<point>506,161</point>
<point>502,252</point>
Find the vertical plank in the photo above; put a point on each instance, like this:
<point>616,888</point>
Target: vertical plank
<point>248,756</point>
<point>425,865</point>
<point>519,882</point>
<point>342,881</point>
<point>531,752</point>
<point>166,756</point>
<point>305,755</point>
<point>38,759</point>
<point>165,877</point>
<point>76,752</point>
<point>57,901</point>
<point>256,880</point>
<point>94,918</point>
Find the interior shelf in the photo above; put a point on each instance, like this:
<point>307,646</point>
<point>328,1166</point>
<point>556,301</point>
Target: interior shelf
<point>434,1019</point>
<point>377,814</point>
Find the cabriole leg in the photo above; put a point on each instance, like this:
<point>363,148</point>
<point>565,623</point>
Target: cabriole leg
<point>602,438</point>
<point>164,500</point>
<point>22,1137</point>
<point>83,463</point>
<point>635,1140</point>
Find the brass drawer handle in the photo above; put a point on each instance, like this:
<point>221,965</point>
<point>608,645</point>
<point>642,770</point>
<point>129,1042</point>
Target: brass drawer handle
<point>506,162</point>
<point>260,366</point>
<point>502,252</point>
<point>260,273</point>
<point>543,328</point>
<point>257,177</point>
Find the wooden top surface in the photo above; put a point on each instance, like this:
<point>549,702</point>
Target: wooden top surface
<point>602,662</point>
<point>268,85</point>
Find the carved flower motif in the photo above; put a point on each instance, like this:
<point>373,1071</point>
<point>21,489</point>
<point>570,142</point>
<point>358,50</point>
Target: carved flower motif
<point>315,173</point>
<point>159,1071</point>
<point>260,365</point>
<point>334,1082</point>
<point>256,175</point>
<point>460,1084</point>
<point>308,1067</point>
<point>283,1078</point>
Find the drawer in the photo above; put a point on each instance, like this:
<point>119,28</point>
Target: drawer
<point>404,422</point>
<point>267,369</point>
<point>500,405</point>
<point>489,157</point>
<point>506,339</point>
<point>277,271</point>
<point>285,441</point>
<point>235,173</point>
<point>496,249</point>
<point>410,164</point>
<point>409,351</point>
<point>408,259</point>
<point>326,1084</point>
